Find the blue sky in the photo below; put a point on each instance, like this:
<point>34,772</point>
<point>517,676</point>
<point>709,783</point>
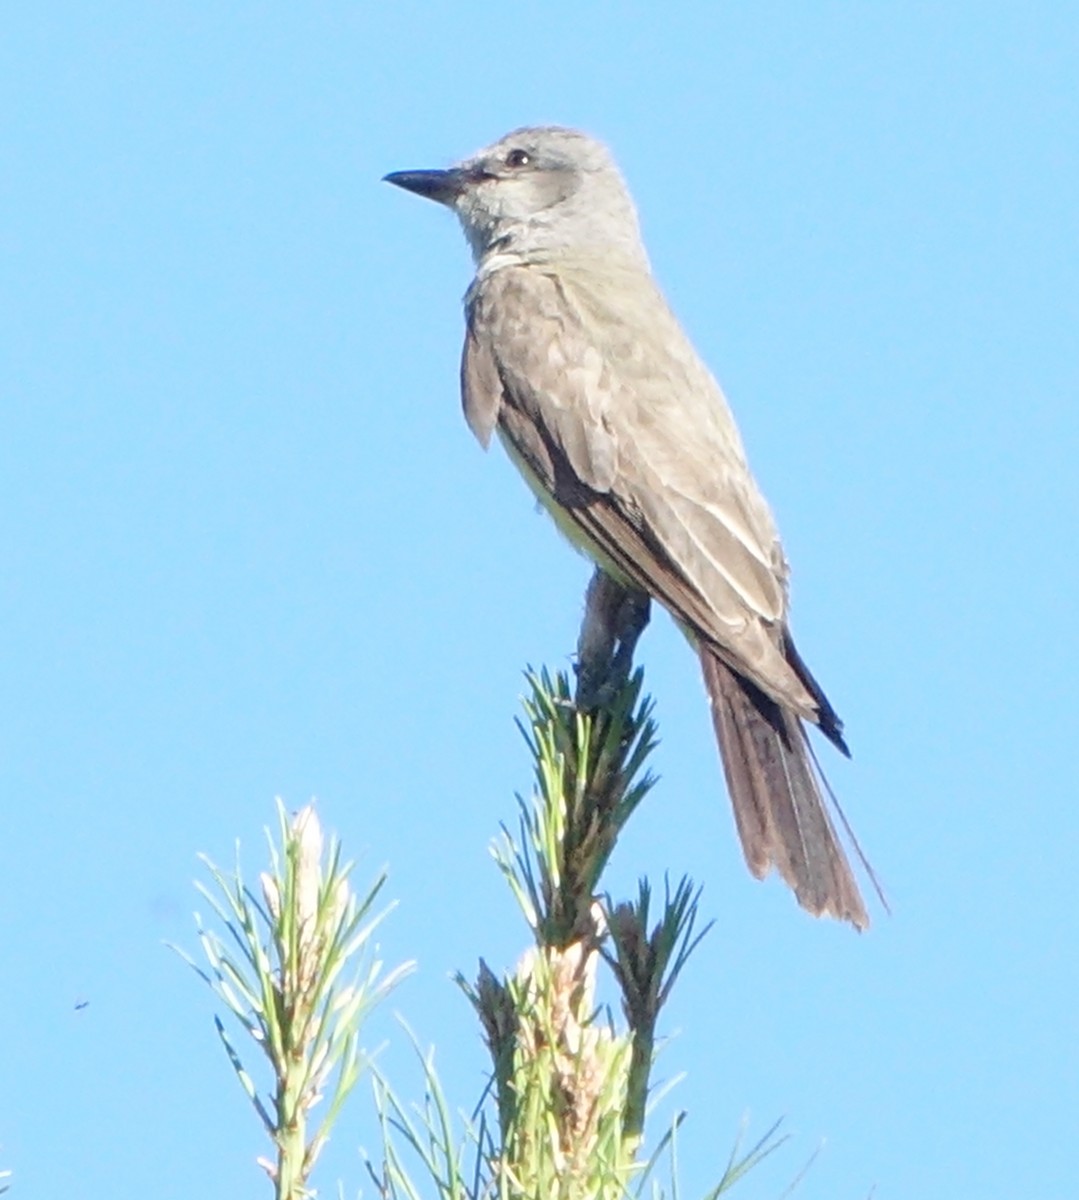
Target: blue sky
<point>249,548</point>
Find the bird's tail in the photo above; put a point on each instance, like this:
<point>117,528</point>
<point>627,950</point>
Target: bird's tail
<point>775,789</point>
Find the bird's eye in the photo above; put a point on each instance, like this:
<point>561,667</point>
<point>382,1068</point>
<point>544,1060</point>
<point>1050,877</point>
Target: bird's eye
<point>518,158</point>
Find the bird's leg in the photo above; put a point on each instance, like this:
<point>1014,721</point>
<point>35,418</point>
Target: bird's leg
<point>596,642</point>
<point>614,619</point>
<point>633,614</point>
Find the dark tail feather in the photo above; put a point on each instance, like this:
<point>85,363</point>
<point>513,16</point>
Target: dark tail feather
<point>776,794</point>
<point>828,721</point>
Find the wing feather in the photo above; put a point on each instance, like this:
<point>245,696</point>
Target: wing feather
<point>481,387</point>
<point>623,430</point>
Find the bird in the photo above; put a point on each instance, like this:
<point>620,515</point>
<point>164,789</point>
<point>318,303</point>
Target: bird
<point>573,356</point>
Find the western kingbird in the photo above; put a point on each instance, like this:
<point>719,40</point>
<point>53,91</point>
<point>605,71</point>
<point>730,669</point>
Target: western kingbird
<point>572,354</point>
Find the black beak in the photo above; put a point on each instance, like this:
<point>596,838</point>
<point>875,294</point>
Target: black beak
<point>443,186</point>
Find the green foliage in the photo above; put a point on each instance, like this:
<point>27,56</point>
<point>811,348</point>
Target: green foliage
<point>280,975</point>
<point>564,1115</point>
<point>589,773</point>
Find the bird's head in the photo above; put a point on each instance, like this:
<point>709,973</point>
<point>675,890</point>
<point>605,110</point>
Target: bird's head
<point>537,194</point>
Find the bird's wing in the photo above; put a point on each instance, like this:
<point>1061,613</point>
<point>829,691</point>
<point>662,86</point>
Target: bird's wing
<point>566,381</point>
<point>622,431</point>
